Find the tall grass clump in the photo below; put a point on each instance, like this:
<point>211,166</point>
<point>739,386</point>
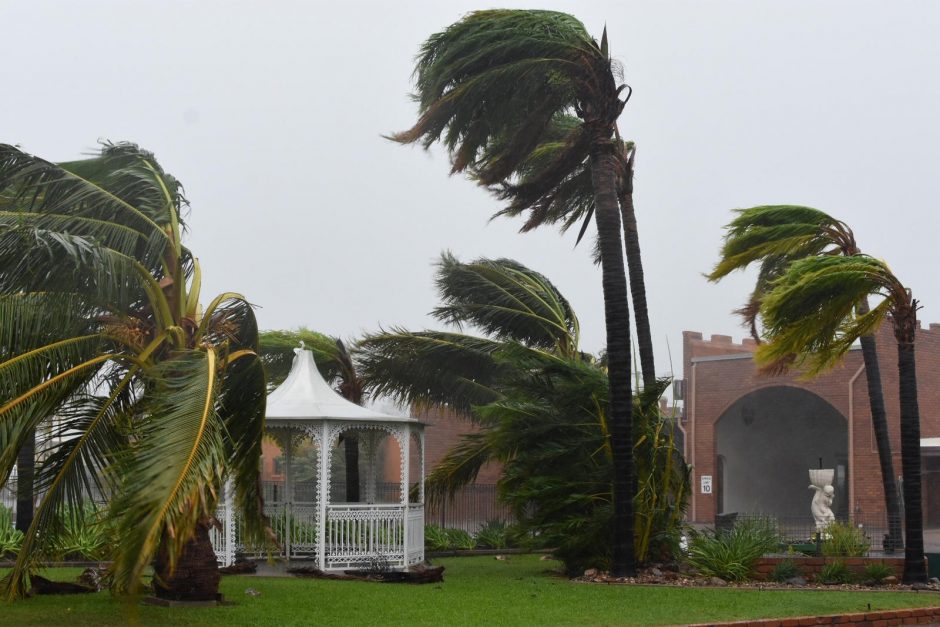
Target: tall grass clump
<point>845,540</point>
<point>11,538</point>
<point>731,555</point>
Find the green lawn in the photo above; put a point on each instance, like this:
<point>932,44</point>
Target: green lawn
<point>476,591</point>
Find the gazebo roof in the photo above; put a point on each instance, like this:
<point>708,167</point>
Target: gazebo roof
<point>305,397</point>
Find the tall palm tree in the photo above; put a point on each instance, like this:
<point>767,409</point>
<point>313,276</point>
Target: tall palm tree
<point>502,76</point>
<point>811,318</point>
<point>540,406</point>
<point>336,364</point>
<point>775,236</point>
<point>157,401</point>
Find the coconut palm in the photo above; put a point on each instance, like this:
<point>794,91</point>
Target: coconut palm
<point>540,405</point>
<point>336,365</point>
<point>501,76</point>
<point>811,318</point>
<point>156,401</point>
<point>776,235</point>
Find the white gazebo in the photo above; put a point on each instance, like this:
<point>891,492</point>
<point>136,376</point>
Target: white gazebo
<point>339,535</point>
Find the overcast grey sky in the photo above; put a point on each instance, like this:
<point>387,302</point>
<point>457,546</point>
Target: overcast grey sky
<point>271,113</point>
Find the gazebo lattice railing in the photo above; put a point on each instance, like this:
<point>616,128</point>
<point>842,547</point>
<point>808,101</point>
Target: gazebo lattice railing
<point>388,536</point>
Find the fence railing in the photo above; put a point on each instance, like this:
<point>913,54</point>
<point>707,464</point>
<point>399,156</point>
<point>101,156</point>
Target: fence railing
<point>469,509</point>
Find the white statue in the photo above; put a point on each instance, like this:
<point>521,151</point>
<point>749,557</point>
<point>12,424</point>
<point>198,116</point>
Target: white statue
<point>821,482</point>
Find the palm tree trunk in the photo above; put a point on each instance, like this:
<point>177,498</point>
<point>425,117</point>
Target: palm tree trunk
<point>879,421</point>
<point>196,577</point>
<point>914,568</point>
<point>25,472</point>
<point>617,317</point>
<point>635,269</point>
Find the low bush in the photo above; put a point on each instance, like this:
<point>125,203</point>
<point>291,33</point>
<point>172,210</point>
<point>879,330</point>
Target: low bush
<point>83,535</point>
<point>10,538</point>
<point>441,539</point>
<point>785,570</point>
<point>460,539</point>
<point>493,535</point>
<point>877,572</point>
<point>835,572</point>
<point>731,555</point>
<point>435,538</point>
<point>844,540</point>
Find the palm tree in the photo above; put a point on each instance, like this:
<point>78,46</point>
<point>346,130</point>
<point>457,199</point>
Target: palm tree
<point>811,317</point>
<point>775,236</point>
<point>156,400</point>
<point>501,76</point>
<point>540,406</point>
<point>336,364</point>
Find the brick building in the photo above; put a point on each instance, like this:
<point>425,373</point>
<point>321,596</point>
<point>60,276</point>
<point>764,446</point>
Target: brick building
<point>751,438</point>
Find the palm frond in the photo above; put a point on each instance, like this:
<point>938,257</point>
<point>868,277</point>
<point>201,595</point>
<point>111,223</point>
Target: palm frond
<point>242,404</point>
<point>429,367</point>
<point>809,313</point>
<point>506,300</point>
<point>172,476</point>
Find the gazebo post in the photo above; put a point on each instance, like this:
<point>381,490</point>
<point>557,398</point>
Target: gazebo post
<point>323,487</point>
<point>405,484</point>
<point>288,490</point>
<point>369,439</point>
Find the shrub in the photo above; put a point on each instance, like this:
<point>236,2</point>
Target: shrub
<point>835,572</point>
<point>785,570</point>
<point>435,538</point>
<point>460,539</point>
<point>83,535</point>
<point>493,535</point>
<point>845,540</point>
<point>731,555</point>
<point>877,572</point>
<point>10,538</point>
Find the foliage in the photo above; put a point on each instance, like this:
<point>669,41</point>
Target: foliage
<point>11,538</point>
<point>731,554</point>
<point>785,570</point>
<point>277,353</point>
<point>844,540</point>
<point>436,538</point>
<point>542,414</point>
<point>85,534</point>
<point>494,534</point>
<point>156,397</point>
<point>836,572</point>
<point>446,539</point>
<point>522,591</point>
<point>877,572</point>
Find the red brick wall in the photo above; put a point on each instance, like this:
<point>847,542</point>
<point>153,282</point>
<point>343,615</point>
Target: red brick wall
<point>712,386</point>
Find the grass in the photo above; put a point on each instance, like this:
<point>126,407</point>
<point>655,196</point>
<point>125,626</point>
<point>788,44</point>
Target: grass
<point>476,591</point>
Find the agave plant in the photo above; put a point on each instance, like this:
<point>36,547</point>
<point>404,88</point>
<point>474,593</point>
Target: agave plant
<point>154,401</point>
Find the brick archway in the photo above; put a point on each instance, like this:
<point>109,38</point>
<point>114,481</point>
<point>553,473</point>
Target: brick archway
<point>768,439</point>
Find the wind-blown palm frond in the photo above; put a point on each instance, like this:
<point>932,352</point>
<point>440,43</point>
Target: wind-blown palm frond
<point>775,236</point>
<point>429,367</point>
<point>826,291</point>
<point>180,455</point>
<point>277,353</point>
<point>482,81</point>
<point>505,300</point>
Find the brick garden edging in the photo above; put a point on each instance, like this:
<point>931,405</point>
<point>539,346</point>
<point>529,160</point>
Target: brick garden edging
<point>919,616</point>
<point>811,566</point>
